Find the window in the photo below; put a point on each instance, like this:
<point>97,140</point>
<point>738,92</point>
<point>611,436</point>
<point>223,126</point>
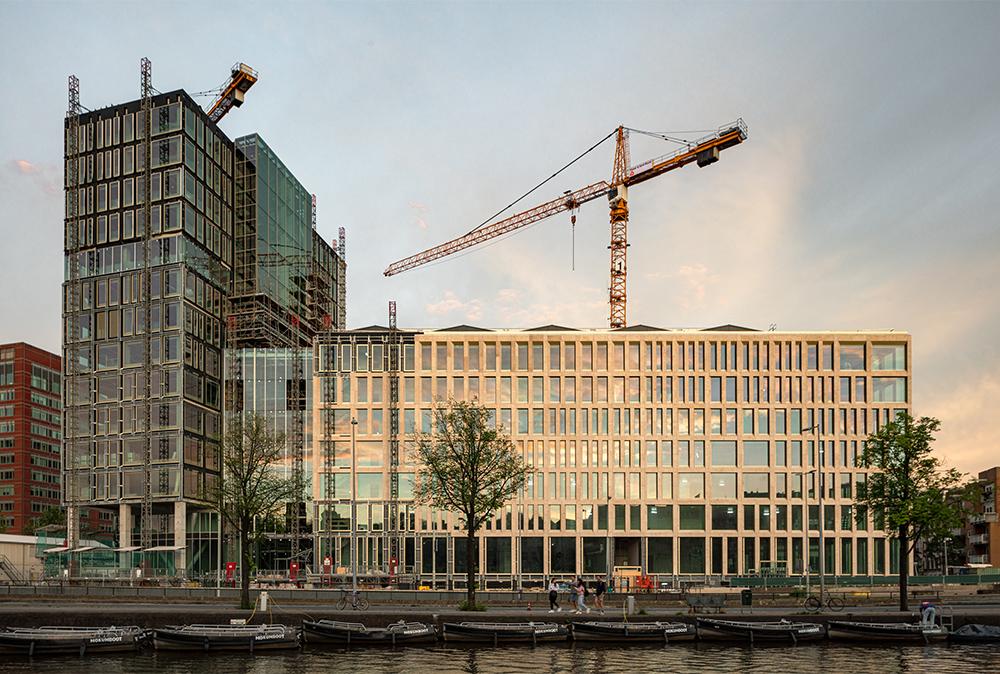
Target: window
<point>692,517</point>
<point>724,517</point>
<point>723,453</point>
<point>852,356</point>
<point>723,485</point>
<point>888,356</point>
<point>889,389</point>
<point>756,453</point>
<point>756,485</point>
<point>691,485</point>
<point>659,517</point>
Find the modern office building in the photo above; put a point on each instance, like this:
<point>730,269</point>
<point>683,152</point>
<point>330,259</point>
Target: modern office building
<point>231,233</point>
<point>30,434</point>
<point>676,452</point>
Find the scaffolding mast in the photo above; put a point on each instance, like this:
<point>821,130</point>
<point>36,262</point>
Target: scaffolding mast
<point>342,278</point>
<point>393,347</point>
<point>146,518</point>
<point>73,301</point>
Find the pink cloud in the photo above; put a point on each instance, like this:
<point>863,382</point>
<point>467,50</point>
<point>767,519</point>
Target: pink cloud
<point>47,177</point>
<point>419,210</point>
<point>25,166</point>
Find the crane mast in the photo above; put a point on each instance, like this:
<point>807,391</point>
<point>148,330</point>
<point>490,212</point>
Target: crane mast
<point>704,151</point>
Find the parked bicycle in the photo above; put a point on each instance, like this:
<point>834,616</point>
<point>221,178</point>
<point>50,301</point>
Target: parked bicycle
<point>354,599</point>
<point>814,603</point>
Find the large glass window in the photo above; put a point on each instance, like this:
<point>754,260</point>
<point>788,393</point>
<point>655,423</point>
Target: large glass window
<point>562,555</point>
<point>724,517</point>
<point>889,389</point>
<point>369,485</point>
<point>723,485</point>
<point>531,554</point>
<point>756,485</point>
<point>498,554</point>
<point>659,517</point>
<point>595,554</point>
<point>692,555</point>
<point>692,517</point>
<point>888,356</point>
<point>691,485</point>
<point>661,555</point>
<point>756,453</point>
<point>723,452</point>
<point>852,356</point>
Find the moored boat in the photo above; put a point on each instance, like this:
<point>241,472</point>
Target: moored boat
<point>868,631</point>
<point>82,640</point>
<point>225,637</point>
<point>338,632</point>
<point>782,631</point>
<point>974,633</point>
<point>497,633</point>
<point>637,631</point>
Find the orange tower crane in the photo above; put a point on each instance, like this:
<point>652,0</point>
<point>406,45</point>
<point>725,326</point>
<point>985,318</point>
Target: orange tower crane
<point>232,93</point>
<point>703,151</point>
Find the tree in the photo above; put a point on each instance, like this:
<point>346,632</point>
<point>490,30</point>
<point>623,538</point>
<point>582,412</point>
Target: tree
<point>911,495</point>
<point>468,467</point>
<point>250,487</point>
<point>51,515</point>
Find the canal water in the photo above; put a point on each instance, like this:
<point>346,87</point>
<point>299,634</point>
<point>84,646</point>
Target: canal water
<point>549,659</point>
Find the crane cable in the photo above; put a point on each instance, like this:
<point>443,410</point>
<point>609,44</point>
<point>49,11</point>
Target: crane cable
<point>578,158</point>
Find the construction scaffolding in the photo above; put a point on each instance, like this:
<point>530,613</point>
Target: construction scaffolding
<point>72,299</point>
<point>393,349</point>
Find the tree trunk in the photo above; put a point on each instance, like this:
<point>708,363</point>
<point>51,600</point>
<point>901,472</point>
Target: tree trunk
<point>470,569</point>
<point>904,566</point>
<point>244,567</point>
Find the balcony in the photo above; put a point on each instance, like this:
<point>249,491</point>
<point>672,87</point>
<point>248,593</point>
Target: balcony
<point>979,539</point>
<point>982,518</point>
<point>979,559</point>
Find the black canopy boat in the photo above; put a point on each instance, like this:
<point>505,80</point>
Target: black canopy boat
<point>337,632</point>
<point>638,631</point>
<point>920,632</point>
<point>81,640</point>
<point>225,637</point>
<point>974,633</point>
<point>497,633</point>
<point>782,631</point>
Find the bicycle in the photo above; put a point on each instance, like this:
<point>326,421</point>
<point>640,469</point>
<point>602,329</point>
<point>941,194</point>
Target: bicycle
<point>355,599</point>
<point>814,603</point>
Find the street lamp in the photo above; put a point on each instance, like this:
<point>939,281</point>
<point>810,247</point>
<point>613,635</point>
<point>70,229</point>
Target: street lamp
<point>354,508</point>
<point>822,516</point>
<point>610,554</point>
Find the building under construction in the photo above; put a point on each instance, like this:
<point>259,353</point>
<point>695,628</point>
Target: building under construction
<point>230,259</point>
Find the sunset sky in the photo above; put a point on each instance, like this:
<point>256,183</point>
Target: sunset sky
<point>867,195</point>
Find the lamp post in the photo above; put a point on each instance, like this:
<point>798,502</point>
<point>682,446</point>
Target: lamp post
<point>611,556</point>
<point>820,483</point>
<point>354,508</point>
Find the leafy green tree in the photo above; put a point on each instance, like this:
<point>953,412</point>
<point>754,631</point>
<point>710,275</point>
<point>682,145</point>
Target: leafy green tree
<point>250,487</point>
<point>911,495</point>
<point>53,515</point>
<point>467,467</point>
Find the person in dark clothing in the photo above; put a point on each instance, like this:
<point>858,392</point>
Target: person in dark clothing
<point>599,590</point>
<point>554,597</point>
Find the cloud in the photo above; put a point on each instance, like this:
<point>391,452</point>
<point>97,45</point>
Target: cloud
<point>470,310</point>
<point>419,210</point>
<point>693,284</point>
<point>46,177</point>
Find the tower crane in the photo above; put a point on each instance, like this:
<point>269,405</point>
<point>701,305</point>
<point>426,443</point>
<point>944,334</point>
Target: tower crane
<point>232,93</point>
<point>703,151</point>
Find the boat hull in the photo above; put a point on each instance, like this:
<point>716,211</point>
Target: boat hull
<point>976,634</point>
<point>885,632</point>
<point>41,642</point>
<point>321,632</point>
<point>791,633</point>
<point>504,634</point>
<point>175,639</point>
<point>632,632</point>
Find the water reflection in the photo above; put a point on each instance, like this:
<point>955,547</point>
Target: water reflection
<point>550,659</point>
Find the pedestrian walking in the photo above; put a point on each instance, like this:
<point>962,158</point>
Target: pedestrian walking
<point>599,589</point>
<point>581,592</point>
<point>554,597</point>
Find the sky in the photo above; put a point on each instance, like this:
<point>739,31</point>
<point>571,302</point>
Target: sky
<point>866,198</point>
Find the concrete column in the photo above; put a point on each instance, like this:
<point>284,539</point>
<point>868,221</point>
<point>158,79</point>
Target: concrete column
<point>180,537</point>
<point>125,519</point>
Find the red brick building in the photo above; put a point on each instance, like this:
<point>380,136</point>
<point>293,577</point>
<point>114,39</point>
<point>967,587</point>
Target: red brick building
<point>30,434</point>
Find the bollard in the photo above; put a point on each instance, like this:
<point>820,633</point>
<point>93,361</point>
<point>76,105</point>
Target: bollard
<point>263,601</point>
<point>630,604</point>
